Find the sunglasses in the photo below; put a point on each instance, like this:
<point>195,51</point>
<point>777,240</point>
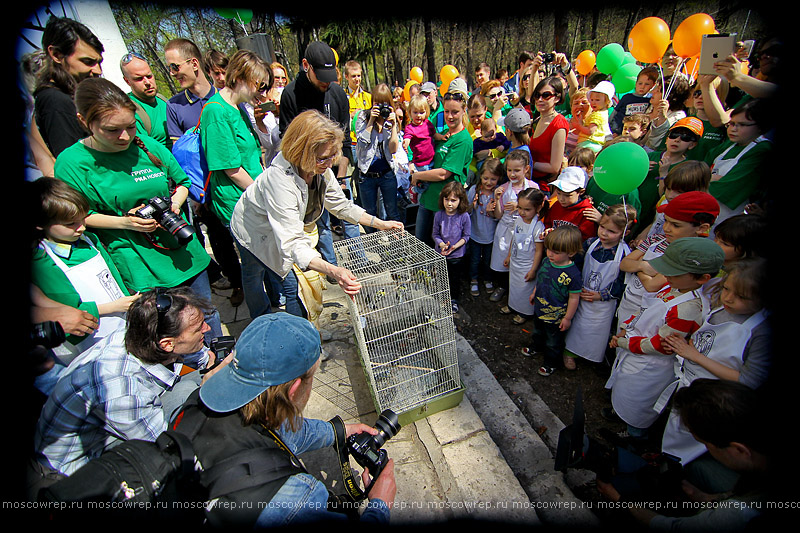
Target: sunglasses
<point>547,95</point>
<point>163,304</point>
<point>697,94</point>
<point>127,58</point>
<point>454,96</point>
<point>174,68</point>
<point>494,95</point>
<point>685,136</point>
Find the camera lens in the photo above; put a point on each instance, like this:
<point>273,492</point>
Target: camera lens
<point>387,426</point>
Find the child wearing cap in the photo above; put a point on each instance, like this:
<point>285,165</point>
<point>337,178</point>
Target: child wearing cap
<point>595,129</point>
<point>682,137</point>
<point>690,214</point>
<point>571,203</point>
<point>644,366</point>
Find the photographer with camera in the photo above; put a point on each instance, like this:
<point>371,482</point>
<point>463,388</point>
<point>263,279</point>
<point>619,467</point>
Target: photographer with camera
<point>376,142</point>
<point>127,386</point>
<point>136,192</point>
<point>254,406</point>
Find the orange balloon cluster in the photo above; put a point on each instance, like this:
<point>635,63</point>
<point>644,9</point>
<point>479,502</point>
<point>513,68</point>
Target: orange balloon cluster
<point>648,40</point>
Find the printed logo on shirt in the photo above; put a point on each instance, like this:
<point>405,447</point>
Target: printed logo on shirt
<point>146,174</point>
<point>636,109</point>
<point>705,340</point>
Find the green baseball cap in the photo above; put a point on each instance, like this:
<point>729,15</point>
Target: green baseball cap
<point>696,255</point>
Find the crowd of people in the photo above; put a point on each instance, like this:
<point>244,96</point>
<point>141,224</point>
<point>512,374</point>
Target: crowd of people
<point>662,285</point>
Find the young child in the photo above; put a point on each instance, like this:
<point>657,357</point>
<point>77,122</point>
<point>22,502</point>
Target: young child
<point>525,253</point>
<point>732,344</point>
<point>742,236</point>
<point>571,203</point>
<point>690,214</point>
<point>635,102</point>
<point>684,177</point>
<point>418,138</point>
<point>484,223</point>
<point>643,369</point>
<point>603,284</point>
<point>579,107</point>
<point>518,172</point>
<point>555,297</point>
<point>71,267</point>
<point>451,232</point>
<point>518,127</point>
<point>637,127</point>
<point>594,131</point>
<point>682,137</point>
<point>490,139</point>
<point>584,159</point>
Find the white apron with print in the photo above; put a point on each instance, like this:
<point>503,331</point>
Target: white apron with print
<point>94,282</point>
<point>591,328</point>
<point>522,252</point>
<point>637,380</point>
<point>503,231</point>
<point>723,343</point>
<point>719,169</point>
<point>631,299</point>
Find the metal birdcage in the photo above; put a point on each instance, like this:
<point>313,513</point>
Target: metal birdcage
<point>403,322</point>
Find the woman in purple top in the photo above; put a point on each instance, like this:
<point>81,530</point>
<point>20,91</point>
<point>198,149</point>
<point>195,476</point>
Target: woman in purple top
<point>451,230</point>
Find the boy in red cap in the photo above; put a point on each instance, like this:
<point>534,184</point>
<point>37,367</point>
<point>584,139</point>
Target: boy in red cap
<point>690,214</point>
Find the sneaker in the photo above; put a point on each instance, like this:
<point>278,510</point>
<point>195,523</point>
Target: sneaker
<point>237,297</point>
<point>473,289</point>
<point>505,310</point>
<point>455,308</point>
<point>569,362</point>
<point>527,352</point>
<point>498,294</point>
<point>488,285</point>
<point>546,370</point>
<point>519,320</point>
<point>222,284</point>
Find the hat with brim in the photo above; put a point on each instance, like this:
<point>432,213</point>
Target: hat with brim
<point>428,87</point>
<point>695,255</point>
<point>517,120</point>
<point>693,124</point>
<point>570,179</point>
<point>273,349</point>
<point>322,59</point>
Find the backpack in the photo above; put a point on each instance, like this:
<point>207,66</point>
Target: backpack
<point>188,151</point>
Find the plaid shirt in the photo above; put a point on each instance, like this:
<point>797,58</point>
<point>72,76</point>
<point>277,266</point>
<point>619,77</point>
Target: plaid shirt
<point>106,395</point>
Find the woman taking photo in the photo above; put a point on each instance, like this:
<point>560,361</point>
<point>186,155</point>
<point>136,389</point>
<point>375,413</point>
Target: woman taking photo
<point>550,131</point>
<point>232,150</point>
<point>275,219</point>
<point>451,161</point>
<point>376,142</point>
<point>119,173</point>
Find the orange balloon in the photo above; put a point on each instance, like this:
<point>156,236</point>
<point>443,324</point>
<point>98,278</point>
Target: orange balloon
<point>406,89</point>
<point>585,62</point>
<point>689,35</point>
<point>648,40</point>
<point>416,74</point>
<point>336,56</point>
<point>448,74</point>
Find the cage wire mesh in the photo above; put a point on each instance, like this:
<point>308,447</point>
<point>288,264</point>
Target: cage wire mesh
<point>402,318</point>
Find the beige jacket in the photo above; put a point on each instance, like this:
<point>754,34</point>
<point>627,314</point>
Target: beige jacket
<point>270,216</point>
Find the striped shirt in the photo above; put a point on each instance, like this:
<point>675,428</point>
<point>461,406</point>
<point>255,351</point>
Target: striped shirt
<point>106,395</point>
<point>682,319</point>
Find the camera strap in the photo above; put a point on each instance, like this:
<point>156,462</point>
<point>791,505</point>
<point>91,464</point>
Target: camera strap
<point>347,502</point>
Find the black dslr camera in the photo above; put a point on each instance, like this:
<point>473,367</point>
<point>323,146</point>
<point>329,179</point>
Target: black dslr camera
<point>548,57</point>
<point>384,110</point>
<point>47,334</point>
<point>158,208</point>
<point>366,448</point>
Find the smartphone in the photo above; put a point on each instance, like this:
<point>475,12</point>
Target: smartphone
<point>268,106</point>
<point>713,48</point>
<point>748,48</point>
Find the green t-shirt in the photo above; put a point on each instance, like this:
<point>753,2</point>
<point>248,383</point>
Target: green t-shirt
<point>712,137</point>
<point>228,142</point>
<point>741,183</point>
<point>455,155</point>
<point>157,112</point>
<point>115,183</point>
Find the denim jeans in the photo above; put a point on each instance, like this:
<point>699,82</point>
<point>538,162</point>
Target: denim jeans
<point>387,185</point>
<point>424,225</point>
<point>546,336</point>
<point>480,257</point>
<point>258,281</point>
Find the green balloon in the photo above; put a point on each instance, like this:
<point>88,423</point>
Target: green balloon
<point>625,77</point>
<point>629,59</point>
<point>621,168</point>
<point>610,57</point>
<point>246,15</point>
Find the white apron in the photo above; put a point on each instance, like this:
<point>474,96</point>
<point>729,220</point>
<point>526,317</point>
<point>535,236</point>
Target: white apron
<point>590,330</point>
<point>719,169</point>
<point>723,343</point>
<point>637,380</point>
<point>94,282</point>
<point>522,252</point>
<point>631,299</point>
<point>504,229</point>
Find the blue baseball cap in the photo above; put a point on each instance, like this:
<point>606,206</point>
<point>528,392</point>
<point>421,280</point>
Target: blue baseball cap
<point>273,349</point>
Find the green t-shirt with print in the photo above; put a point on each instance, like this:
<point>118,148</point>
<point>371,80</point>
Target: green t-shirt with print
<point>157,113</point>
<point>115,183</point>
<point>455,155</point>
<point>228,142</point>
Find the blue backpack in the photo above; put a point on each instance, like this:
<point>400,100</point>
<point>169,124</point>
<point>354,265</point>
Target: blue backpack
<point>188,151</point>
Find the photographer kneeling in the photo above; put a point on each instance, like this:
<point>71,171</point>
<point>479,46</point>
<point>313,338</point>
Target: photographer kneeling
<point>254,405</point>
<point>126,386</point>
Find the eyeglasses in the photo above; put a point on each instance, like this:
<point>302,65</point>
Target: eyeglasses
<point>326,160</point>
<point>546,95</point>
<point>127,58</point>
<point>174,68</point>
<point>737,125</point>
<point>454,96</point>
<point>685,136</point>
<point>697,94</point>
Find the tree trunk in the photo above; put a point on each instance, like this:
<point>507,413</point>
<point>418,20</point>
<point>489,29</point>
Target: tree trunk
<point>560,30</point>
<point>430,54</point>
